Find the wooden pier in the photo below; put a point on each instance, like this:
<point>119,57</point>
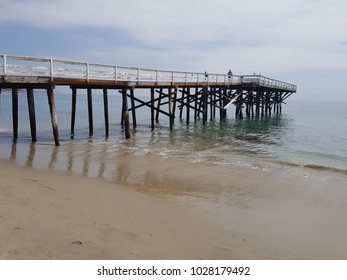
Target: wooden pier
<point>198,96</point>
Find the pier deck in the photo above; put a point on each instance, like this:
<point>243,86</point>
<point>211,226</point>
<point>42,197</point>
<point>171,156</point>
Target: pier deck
<point>200,92</point>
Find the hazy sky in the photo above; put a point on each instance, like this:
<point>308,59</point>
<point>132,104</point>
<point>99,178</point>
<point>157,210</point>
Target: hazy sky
<point>298,41</point>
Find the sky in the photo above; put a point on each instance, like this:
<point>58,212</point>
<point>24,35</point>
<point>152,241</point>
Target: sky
<point>303,42</point>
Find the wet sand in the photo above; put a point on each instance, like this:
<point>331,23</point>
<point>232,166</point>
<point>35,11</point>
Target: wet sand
<point>157,208</point>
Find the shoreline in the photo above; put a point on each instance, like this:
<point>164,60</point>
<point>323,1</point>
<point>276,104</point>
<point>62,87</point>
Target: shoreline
<point>157,208</point>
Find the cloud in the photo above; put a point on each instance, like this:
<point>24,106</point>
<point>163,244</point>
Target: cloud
<point>249,35</point>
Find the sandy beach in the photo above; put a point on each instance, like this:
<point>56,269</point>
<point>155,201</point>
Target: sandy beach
<point>170,210</point>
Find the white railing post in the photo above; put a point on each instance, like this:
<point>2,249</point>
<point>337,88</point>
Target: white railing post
<point>5,65</point>
<point>156,76</point>
<point>186,78</point>
<point>172,77</point>
<point>87,69</point>
<point>138,74</point>
<point>115,73</point>
<point>51,68</point>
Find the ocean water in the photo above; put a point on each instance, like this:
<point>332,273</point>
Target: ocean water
<point>307,136</point>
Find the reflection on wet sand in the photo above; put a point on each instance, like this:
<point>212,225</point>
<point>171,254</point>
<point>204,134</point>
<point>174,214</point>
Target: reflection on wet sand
<point>146,172</point>
<point>53,158</point>
<point>13,151</point>
<point>31,155</point>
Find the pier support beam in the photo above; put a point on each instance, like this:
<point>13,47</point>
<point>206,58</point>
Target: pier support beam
<point>170,109</point>
<point>15,113</point>
<point>32,118</point>
<point>257,104</point>
<point>221,92</point>
<point>262,105</point>
<point>214,103</point>
<point>73,111</point>
<point>125,113</point>
<point>106,112</point>
<point>205,105</point>
<point>152,108</point>
<point>188,106</point>
<point>133,111</point>
<point>175,93</point>
<point>90,111</point>
<point>182,99</point>
<point>239,105</point>
<point>223,101</point>
<point>51,103</point>
<point>196,103</point>
<point>159,104</point>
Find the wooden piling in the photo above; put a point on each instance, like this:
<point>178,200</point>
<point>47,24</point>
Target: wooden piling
<point>262,105</point>
<point>252,105</point>
<point>133,111</point>
<point>90,111</point>
<point>225,101</point>
<point>73,112</point>
<point>210,97</point>
<point>248,108</point>
<point>15,113</point>
<point>174,102</point>
<point>159,104</point>
<point>257,104</point>
<point>125,113</point>
<point>188,106</point>
<point>200,105</point>
<point>31,109</point>
<point>214,97</point>
<point>170,109</point>
<point>152,108</point>
<point>204,105</point>
<point>183,96</point>
<point>268,103</point>
<point>221,105</point>
<point>238,110</point>
<point>51,103</point>
<point>105,96</point>
<point>196,103</point>
<point>277,102</point>
<point>122,113</point>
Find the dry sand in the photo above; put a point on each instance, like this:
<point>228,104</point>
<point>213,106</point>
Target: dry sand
<point>173,210</point>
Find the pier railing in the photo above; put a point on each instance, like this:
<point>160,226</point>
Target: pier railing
<point>22,66</point>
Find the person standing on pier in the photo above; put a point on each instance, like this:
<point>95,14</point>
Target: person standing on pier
<point>230,73</point>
